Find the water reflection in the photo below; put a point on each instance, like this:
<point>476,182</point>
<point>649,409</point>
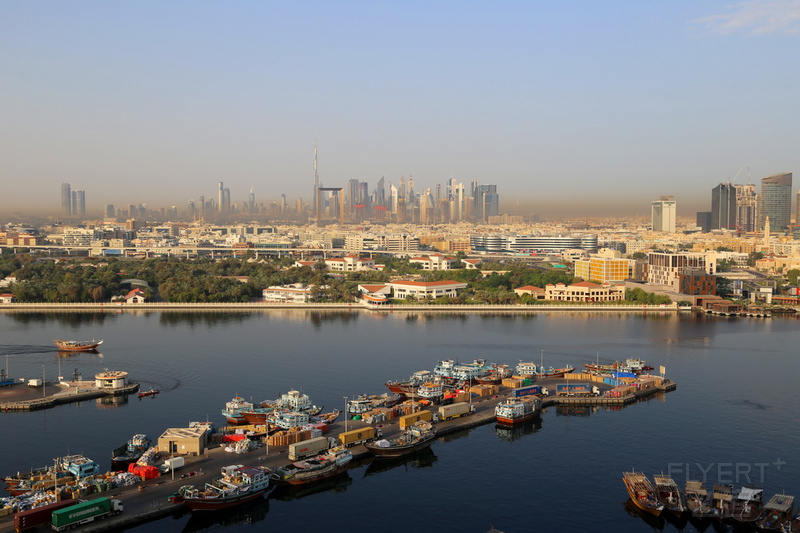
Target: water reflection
<point>655,522</point>
<point>420,459</point>
<point>337,483</point>
<point>517,431</point>
<point>206,319</point>
<point>248,513</point>
<point>67,317</point>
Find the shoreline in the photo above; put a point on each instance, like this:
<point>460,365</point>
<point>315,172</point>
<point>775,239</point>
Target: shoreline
<point>259,306</point>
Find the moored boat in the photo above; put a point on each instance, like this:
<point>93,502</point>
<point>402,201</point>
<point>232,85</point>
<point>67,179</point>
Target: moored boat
<point>540,371</point>
<point>517,410</point>
<point>77,346</point>
<point>777,514</point>
<point>668,494</point>
<point>641,492</point>
<point>410,385</point>
<point>697,499</point>
<point>237,485</point>
<point>748,504</point>
<point>130,452</point>
<point>497,373</point>
<point>418,436</point>
<point>722,501</point>
<point>320,466</point>
<point>233,410</point>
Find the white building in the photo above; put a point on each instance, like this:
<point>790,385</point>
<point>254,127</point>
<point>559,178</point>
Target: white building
<point>433,262</point>
<point>295,294</point>
<point>349,263</point>
<point>664,211</point>
<point>422,289</point>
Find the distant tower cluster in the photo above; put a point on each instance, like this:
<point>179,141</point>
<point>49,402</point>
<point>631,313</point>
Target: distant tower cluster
<point>73,202</point>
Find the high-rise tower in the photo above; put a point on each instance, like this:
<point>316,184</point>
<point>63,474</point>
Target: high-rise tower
<point>66,199</point>
<point>723,206</point>
<point>775,200</point>
<point>663,213</point>
<point>316,179</point>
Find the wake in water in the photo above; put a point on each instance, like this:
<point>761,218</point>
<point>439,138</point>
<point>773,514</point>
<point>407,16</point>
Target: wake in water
<point>25,349</point>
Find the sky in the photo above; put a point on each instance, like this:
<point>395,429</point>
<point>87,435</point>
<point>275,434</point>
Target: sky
<point>575,107</point>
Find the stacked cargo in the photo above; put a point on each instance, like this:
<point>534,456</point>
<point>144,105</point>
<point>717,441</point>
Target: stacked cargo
<point>513,383</point>
<point>581,377</point>
<point>461,396</point>
<point>484,390</point>
<point>289,437</point>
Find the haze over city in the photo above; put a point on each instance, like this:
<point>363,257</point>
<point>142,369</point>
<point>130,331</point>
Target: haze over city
<point>576,109</point>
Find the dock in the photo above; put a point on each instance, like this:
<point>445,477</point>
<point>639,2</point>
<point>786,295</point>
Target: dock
<point>21,397</point>
<point>148,500</point>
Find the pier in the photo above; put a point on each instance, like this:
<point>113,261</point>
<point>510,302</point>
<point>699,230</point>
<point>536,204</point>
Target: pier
<point>148,500</point>
<point>21,397</point>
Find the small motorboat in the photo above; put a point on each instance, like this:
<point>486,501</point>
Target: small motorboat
<point>151,392</point>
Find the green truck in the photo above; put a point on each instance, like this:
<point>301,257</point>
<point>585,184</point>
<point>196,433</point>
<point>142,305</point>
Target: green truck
<point>85,512</point>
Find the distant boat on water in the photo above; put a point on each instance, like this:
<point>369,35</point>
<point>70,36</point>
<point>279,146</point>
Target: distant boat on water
<point>77,346</point>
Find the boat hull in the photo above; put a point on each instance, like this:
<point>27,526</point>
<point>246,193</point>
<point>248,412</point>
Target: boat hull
<point>216,504</point>
<point>391,452</point>
<point>77,346</point>
<point>510,421</point>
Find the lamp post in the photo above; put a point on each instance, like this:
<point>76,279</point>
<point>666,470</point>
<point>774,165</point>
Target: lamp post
<point>345,412</point>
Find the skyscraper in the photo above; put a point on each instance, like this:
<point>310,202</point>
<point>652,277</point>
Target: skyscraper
<point>66,199</point>
<point>775,200</point>
<point>663,213</point>
<point>746,208</point>
<point>723,207</point>
<point>79,203</point>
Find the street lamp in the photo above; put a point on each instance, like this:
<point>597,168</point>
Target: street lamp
<point>345,412</point>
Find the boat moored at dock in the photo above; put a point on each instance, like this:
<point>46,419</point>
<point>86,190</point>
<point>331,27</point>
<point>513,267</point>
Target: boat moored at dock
<point>130,452</point>
<point>418,436</point>
<point>320,466</point>
<point>697,499</point>
<point>237,485</point>
<point>668,494</point>
<point>517,410</point>
<point>748,503</point>
<point>778,514</point>
<point>641,492</point>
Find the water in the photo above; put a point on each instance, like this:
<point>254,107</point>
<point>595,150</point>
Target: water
<point>734,417</point>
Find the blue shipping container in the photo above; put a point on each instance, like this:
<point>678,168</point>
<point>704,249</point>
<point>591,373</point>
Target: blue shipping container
<point>526,391</point>
<point>623,374</point>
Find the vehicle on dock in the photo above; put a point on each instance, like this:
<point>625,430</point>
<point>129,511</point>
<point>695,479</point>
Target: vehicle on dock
<point>420,435</point>
<point>697,499</point>
<point>748,504</point>
<point>237,485</point>
<point>358,436</point>
<point>77,346</point>
<point>517,410</point>
<point>39,516</point>
<point>456,410</point>
<point>410,419</point>
<point>538,390</point>
<point>363,403</point>
<point>172,464</point>
<point>722,501</point>
<point>577,389</point>
<point>668,494</point>
<point>84,512</point>
<point>641,492</point>
<point>319,467</point>
<point>308,448</point>
<point>778,514</point>
<point>130,452</point>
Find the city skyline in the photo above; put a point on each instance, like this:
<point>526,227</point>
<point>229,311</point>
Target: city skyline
<point>581,109</point>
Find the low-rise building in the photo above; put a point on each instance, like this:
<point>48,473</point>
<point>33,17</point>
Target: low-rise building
<point>349,263</point>
<point>135,296</point>
<point>536,292</point>
<point>296,293</point>
<point>433,262</point>
<point>7,298</point>
<point>585,291</point>
<point>423,289</point>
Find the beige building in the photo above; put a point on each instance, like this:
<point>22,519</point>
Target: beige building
<point>349,263</point>
<point>537,292</point>
<point>296,294</point>
<point>664,268</point>
<point>433,262</point>
<point>183,441</point>
<point>584,291</point>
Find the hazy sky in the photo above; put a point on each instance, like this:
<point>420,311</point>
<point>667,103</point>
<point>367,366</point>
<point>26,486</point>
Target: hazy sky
<point>558,103</point>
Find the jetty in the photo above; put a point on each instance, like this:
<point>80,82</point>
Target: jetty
<point>22,397</point>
